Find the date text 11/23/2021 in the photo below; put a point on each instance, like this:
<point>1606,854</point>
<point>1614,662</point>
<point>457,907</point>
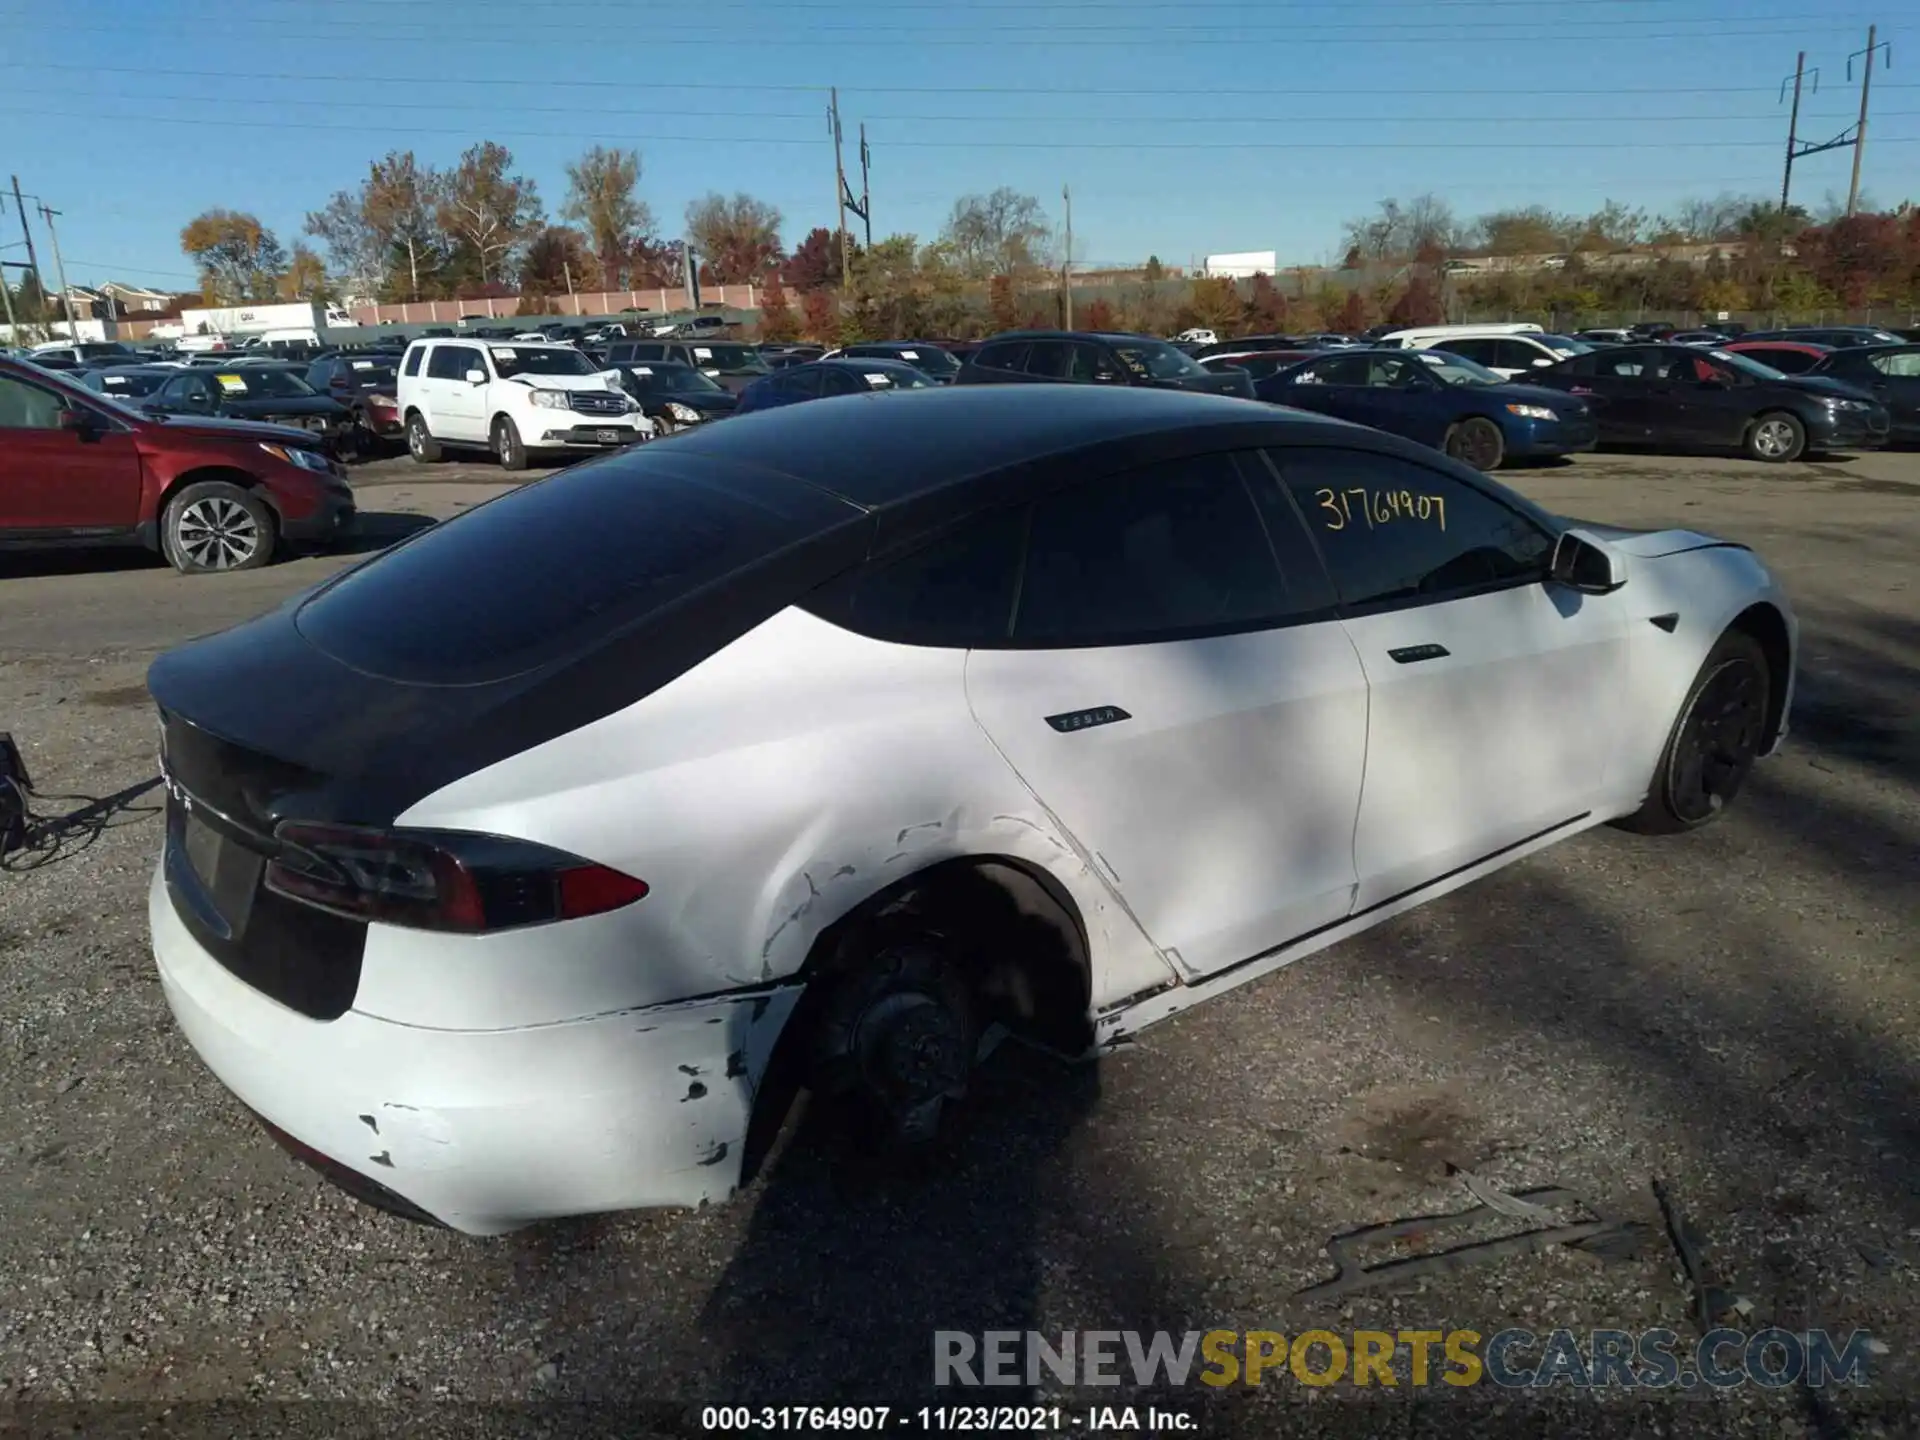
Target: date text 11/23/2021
<point>954,1419</point>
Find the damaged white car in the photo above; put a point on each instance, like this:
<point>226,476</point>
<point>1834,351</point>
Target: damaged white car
<point>523,870</point>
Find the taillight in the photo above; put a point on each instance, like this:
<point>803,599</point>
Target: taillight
<point>440,880</point>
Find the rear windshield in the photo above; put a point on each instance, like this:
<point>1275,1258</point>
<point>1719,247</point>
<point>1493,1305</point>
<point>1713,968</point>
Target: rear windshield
<point>536,575</point>
<point>727,357</point>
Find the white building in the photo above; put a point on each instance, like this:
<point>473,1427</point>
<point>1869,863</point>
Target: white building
<point>1242,264</point>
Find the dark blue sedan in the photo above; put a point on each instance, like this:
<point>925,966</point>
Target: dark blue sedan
<point>1442,400</point>
<point>824,379</point>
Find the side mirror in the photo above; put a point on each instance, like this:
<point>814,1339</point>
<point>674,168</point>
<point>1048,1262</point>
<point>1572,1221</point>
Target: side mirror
<point>1585,565</point>
<point>1540,361</point>
<point>77,420</point>
<point>476,377</point>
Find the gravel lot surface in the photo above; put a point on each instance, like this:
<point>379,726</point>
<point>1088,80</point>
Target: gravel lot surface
<point>1735,1012</point>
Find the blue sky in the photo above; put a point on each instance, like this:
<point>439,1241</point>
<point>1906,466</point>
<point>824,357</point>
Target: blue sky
<point>1183,126</point>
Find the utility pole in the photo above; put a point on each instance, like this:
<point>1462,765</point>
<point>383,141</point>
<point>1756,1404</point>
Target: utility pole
<point>26,233</point>
<point>1793,124</point>
<point>13,328</point>
<point>1860,130</point>
<point>566,268</point>
<point>1798,149</point>
<point>1066,262</point>
<point>60,269</point>
<point>865,212</point>
<point>839,186</point>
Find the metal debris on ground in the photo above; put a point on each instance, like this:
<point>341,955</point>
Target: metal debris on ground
<point>1605,1239</point>
<point>1711,1302</point>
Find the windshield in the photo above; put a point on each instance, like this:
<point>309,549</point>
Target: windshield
<point>125,382</point>
<point>124,408</point>
<point>664,377</point>
<point>926,358</point>
<point>1565,344</point>
<point>513,360</point>
<point>727,357</point>
<point>1748,365</point>
<point>372,374</point>
<point>263,384</point>
<point>1458,370</point>
<point>1157,360</point>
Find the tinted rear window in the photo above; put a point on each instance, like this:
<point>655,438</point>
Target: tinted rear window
<point>539,574</point>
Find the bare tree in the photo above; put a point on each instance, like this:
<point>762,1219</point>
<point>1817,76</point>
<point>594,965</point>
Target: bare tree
<point>356,248</point>
<point>493,213</point>
<point>737,239</point>
<point>1004,233</point>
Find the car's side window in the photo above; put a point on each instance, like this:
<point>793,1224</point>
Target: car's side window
<point>1170,550</point>
<point>1008,355</point>
<point>1472,347</point>
<point>28,407</point>
<point>804,382</point>
<point>957,591</point>
<point>1396,533</point>
<point>1623,364</point>
<point>1050,359</point>
<point>1515,355</point>
<point>1339,370</point>
<point>412,365</point>
<point>1906,365</point>
<point>447,362</point>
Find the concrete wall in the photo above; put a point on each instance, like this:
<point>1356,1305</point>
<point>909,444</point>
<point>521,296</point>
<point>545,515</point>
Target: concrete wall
<point>599,302</point>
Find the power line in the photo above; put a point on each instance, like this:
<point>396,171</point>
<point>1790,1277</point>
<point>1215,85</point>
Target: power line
<point>945,8</point>
<point>1101,118</point>
<point>599,136</point>
<point>1370,36</point>
<point>1479,92</point>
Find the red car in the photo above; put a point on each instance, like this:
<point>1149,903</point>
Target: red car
<point>81,468</point>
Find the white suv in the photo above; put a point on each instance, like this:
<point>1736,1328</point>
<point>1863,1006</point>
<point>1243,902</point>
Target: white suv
<point>514,399</point>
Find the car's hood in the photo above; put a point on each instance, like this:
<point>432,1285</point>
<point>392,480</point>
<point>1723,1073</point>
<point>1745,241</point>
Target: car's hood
<point>1649,544</point>
<point>598,381</point>
<point>702,399</point>
<point>1519,394</point>
<point>268,405</point>
<point>237,430</point>
<point>1824,385</point>
<point>1225,382</point>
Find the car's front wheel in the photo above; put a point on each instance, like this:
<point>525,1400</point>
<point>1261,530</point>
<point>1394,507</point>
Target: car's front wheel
<point>216,525</point>
<point>507,448</point>
<point>420,442</point>
<point>1715,740</point>
<point>1478,442</point>
<point>1775,437</point>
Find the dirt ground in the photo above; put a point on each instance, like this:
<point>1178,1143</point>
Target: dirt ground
<point>1735,1013</point>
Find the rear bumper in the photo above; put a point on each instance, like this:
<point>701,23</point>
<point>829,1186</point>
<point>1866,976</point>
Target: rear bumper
<point>486,1130</point>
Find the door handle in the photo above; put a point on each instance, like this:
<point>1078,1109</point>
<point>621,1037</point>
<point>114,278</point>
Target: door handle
<point>1414,654</point>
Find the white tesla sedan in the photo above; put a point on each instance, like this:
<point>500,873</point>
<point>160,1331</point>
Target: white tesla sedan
<point>524,869</point>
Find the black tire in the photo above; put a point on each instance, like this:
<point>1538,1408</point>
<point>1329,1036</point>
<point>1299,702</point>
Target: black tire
<point>1476,441</point>
<point>420,442</point>
<point>214,525</point>
<point>507,448</point>
<point>895,1043</point>
<point>1775,438</point>
<point>1714,742</point>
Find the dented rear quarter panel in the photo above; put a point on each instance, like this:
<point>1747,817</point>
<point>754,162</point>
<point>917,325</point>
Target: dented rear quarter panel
<point>762,796</point>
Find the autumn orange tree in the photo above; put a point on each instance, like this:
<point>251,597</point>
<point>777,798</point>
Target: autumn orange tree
<point>820,316</point>
<point>238,257</point>
<point>1099,314</point>
<point>777,320</point>
<point>1000,308</point>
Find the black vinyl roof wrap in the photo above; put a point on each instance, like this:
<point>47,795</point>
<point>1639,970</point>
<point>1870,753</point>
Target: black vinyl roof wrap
<point>569,599</point>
